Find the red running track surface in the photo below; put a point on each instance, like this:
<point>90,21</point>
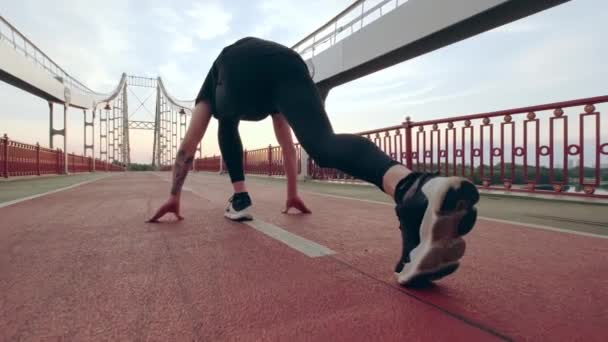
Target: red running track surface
<point>83,265</point>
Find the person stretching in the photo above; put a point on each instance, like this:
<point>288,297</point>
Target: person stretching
<point>254,78</point>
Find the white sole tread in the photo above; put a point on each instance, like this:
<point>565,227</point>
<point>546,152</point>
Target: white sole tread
<point>441,245</point>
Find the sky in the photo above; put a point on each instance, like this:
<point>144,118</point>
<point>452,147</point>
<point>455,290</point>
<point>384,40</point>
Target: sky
<point>553,56</point>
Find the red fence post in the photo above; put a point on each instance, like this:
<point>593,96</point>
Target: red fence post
<point>57,159</point>
<point>408,142</point>
<point>5,153</point>
<point>270,160</point>
<point>245,161</point>
<point>38,159</point>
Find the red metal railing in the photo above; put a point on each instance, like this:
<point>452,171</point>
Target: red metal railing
<point>391,140</point>
<point>264,161</point>
<point>211,164</point>
<point>258,161</point>
<point>101,165</point>
<point>551,148</point>
<point>558,148</point>
<point>208,164</point>
<point>20,159</point>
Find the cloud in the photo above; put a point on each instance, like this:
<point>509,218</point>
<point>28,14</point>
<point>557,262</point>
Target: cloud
<point>168,19</point>
<point>290,21</point>
<point>179,83</point>
<point>182,44</point>
<point>557,59</point>
<point>206,21</point>
<point>520,27</point>
<point>210,20</point>
<point>442,97</point>
<point>95,49</point>
<point>418,93</point>
<point>171,72</point>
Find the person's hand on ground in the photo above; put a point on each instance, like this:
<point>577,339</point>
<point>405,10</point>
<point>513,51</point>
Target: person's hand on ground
<point>171,206</point>
<point>296,203</point>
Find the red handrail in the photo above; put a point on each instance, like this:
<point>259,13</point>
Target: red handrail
<point>21,159</point>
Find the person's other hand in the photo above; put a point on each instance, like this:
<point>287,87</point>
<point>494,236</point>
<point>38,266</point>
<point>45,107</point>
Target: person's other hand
<point>296,203</point>
<point>170,206</point>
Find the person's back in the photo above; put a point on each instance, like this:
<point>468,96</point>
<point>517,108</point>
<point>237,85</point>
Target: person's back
<point>246,75</point>
<point>251,47</point>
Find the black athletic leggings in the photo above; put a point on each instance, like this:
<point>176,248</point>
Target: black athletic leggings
<point>298,99</point>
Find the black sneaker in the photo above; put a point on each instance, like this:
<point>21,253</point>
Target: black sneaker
<point>238,207</point>
<point>434,212</point>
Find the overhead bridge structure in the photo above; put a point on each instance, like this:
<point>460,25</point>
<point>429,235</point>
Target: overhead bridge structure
<point>366,37</point>
<point>369,36</point>
<point>25,66</point>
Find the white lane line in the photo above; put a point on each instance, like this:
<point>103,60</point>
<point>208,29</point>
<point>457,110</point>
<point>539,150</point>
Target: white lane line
<point>540,226</point>
<point>307,247</point>
<point>23,199</point>
<point>346,197</point>
<point>514,223</point>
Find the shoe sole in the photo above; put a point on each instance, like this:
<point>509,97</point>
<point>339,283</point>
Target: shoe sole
<point>450,215</point>
<point>239,216</point>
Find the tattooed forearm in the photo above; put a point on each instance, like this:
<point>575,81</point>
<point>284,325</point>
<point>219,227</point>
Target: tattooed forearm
<point>183,164</point>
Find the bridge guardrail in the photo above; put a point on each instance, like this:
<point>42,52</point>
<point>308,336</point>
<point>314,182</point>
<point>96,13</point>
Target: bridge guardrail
<point>20,159</point>
<point>21,43</point>
<point>267,161</point>
<point>344,24</point>
<point>12,36</point>
<point>535,147</point>
<point>211,164</point>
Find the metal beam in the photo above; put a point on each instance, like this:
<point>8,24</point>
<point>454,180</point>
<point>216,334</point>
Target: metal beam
<point>65,137</point>
<point>91,124</point>
<point>51,124</point>
<point>126,146</point>
<point>337,53</point>
<point>155,149</point>
<point>140,81</point>
<point>145,125</point>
